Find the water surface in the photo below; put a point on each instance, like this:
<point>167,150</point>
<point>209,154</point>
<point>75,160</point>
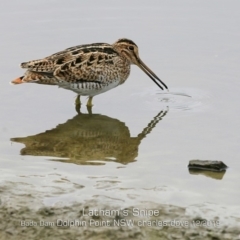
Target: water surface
<point>136,144</point>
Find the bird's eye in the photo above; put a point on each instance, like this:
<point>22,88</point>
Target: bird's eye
<point>131,48</point>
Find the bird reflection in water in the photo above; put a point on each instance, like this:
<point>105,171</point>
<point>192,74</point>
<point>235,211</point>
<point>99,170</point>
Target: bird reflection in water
<point>88,139</point>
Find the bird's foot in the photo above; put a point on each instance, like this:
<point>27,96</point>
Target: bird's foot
<point>89,109</point>
<point>78,108</point>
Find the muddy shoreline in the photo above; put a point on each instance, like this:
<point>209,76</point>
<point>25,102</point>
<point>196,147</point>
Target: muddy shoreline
<point>83,221</point>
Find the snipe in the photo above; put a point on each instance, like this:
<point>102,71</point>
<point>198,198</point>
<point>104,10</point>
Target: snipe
<point>88,69</point>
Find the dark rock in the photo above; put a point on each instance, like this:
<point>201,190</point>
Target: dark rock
<point>216,166</point>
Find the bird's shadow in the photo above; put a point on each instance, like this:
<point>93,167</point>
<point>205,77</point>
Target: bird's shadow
<point>89,139</point>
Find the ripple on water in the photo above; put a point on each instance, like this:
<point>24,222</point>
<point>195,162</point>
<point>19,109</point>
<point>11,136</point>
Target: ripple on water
<point>183,99</point>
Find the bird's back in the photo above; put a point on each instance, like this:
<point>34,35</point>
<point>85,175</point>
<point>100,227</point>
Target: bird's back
<point>98,62</point>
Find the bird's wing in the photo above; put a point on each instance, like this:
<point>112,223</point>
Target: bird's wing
<point>90,65</point>
<point>93,62</point>
<point>54,61</point>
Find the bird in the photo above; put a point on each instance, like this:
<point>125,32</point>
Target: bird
<point>88,69</point>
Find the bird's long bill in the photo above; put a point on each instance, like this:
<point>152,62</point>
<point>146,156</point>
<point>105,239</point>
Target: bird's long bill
<point>151,74</point>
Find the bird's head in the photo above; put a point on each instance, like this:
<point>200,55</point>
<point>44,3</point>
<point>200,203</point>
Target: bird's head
<point>129,50</point>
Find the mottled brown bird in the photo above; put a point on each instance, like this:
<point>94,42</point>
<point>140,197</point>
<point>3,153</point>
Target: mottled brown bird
<point>88,69</point>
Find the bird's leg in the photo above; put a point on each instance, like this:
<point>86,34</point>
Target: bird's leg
<point>89,103</point>
<point>77,101</point>
<point>78,104</point>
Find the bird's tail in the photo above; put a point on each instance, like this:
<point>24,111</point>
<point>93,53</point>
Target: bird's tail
<point>35,77</point>
<point>18,80</point>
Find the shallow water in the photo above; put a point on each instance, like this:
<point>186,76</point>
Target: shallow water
<point>136,144</point>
